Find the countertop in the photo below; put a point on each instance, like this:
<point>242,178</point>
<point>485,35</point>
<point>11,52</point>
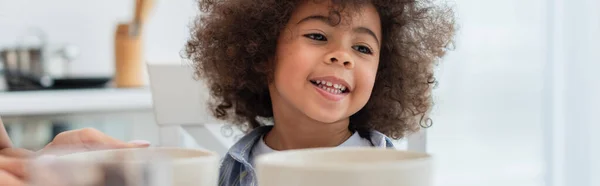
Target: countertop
<point>74,101</point>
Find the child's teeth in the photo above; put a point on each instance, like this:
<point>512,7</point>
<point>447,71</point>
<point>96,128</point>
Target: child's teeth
<point>331,87</point>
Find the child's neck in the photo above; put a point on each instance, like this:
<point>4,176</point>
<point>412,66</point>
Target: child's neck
<point>298,133</point>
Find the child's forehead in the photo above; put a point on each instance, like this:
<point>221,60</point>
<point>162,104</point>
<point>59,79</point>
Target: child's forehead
<point>350,13</point>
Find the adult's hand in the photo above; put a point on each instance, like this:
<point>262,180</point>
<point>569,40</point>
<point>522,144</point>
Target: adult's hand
<point>12,171</point>
<point>89,139</point>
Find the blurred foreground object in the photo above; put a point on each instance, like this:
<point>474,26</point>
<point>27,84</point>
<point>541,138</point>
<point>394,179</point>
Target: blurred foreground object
<point>155,166</point>
<point>345,166</point>
<point>116,169</point>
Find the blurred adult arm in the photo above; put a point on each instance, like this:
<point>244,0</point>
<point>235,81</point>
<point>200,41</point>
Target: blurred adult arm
<point>11,169</point>
<point>4,139</point>
<point>6,147</point>
<point>84,139</point>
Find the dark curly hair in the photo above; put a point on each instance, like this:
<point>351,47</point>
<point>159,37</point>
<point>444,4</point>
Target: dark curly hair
<point>233,42</point>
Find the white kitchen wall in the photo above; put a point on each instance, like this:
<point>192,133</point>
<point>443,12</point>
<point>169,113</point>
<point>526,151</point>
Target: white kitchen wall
<point>487,117</point>
<point>90,25</point>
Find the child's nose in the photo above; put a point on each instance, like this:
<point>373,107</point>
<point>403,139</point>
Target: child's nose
<point>340,57</point>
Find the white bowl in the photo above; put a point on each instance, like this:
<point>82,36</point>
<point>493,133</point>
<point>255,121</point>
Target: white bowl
<point>344,167</point>
<point>156,166</point>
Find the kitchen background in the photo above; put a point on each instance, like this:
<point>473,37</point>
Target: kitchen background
<point>88,29</point>
<point>520,71</point>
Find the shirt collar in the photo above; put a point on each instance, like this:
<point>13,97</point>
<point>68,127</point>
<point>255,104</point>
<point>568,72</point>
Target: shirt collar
<point>241,150</point>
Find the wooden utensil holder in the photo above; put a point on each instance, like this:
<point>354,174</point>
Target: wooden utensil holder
<point>128,58</point>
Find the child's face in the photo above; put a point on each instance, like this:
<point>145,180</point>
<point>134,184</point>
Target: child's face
<point>326,71</point>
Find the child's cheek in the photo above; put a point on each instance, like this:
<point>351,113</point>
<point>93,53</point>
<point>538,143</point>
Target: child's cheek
<point>299,61</point>
<point>292,66</point>
<point>365,80</point>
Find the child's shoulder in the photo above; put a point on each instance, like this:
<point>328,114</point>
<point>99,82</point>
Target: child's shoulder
<point>236,166</point>
<point>381,140</point>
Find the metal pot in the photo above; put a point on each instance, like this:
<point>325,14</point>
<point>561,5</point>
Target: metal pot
<point>10,62</point>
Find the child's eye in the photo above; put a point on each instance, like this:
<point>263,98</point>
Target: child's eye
<point>362,49</point>
<point>318,37</point>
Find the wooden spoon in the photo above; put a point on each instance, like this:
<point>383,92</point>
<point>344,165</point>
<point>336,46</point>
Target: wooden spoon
<point>142,10</point>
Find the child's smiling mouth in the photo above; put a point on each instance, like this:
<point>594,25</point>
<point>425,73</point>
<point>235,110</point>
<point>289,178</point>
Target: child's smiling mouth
<point>331,88</point>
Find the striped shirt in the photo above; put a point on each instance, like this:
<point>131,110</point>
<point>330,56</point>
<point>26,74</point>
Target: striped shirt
<point>236,169</point>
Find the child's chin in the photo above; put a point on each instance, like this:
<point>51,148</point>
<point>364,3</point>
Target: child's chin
<point>327,118</point>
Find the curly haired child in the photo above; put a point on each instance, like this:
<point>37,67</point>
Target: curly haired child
<point>327,73</point>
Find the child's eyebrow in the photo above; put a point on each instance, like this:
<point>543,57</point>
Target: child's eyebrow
<point>321,18</point>
<point>367,31</point>
<point>327,20</point>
